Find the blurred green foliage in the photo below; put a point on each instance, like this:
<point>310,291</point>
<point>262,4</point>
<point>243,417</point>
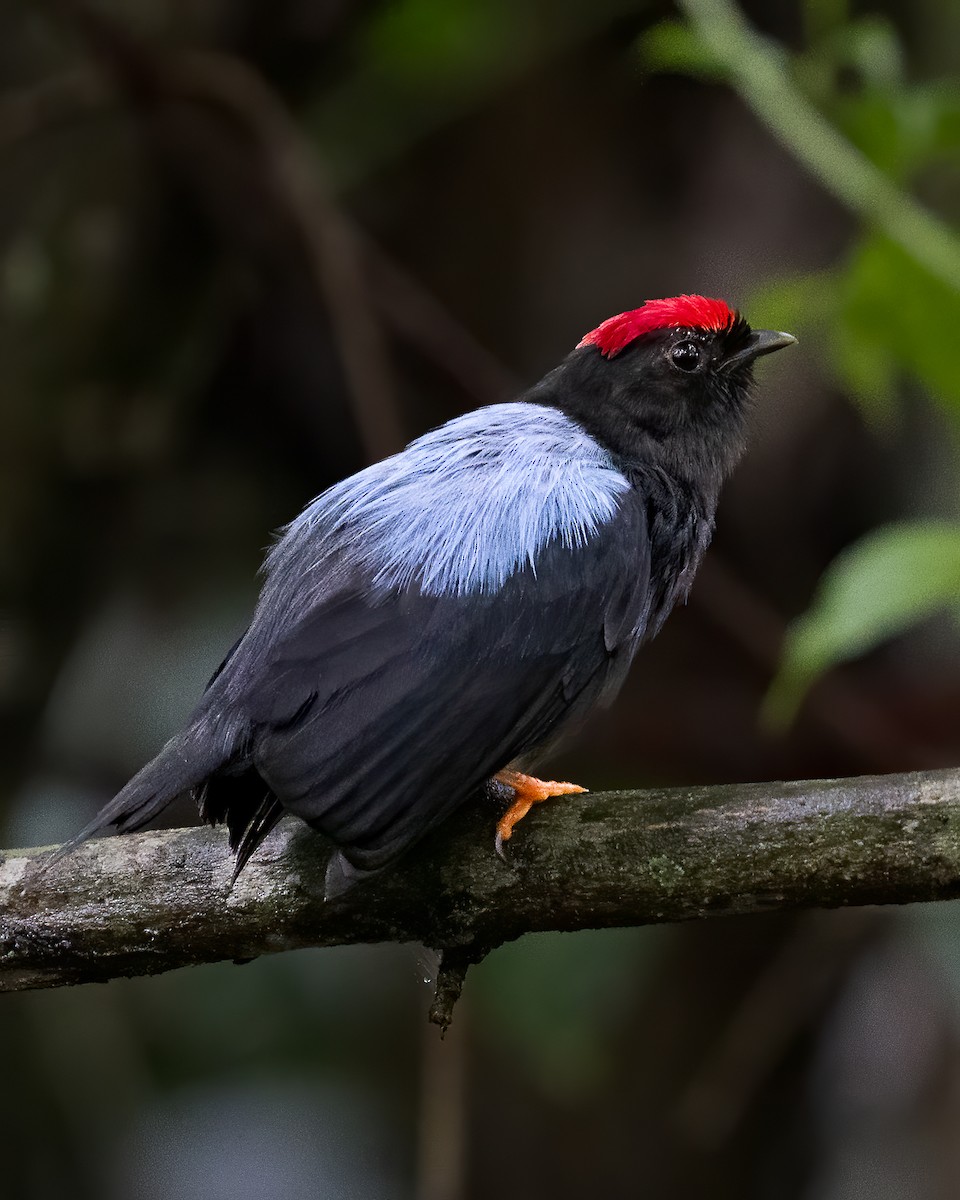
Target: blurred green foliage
<point>894,576</point>
<point>557,1001</point>
<point>421,64</point>
<point>886,322</point>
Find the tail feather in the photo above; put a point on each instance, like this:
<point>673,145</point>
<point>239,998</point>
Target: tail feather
<point>183,763</point>
<point>263,820</point>
<point>242,800</point>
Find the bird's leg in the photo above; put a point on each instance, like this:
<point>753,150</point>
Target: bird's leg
<point>527,791</point>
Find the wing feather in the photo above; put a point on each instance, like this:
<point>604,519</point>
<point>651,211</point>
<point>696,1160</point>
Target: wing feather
<point>416,700</point>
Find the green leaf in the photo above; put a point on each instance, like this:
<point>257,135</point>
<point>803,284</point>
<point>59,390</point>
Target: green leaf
<point>674,47</point>
<point>895,318</point>
<point>426,42</point>
<point>880,586</point>
<point>871,47</point>
<point>874,121</point>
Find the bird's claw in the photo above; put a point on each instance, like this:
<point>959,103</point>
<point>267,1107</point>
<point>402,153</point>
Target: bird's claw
<point>526,791</point>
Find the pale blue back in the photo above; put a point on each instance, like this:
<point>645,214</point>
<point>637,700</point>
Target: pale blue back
<point>463,507</point>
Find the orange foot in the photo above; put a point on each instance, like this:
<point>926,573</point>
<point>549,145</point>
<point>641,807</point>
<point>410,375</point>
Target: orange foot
<point>528,791</point>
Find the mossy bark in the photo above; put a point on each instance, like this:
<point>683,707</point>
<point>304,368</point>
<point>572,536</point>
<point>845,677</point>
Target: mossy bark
<point>150,902</point>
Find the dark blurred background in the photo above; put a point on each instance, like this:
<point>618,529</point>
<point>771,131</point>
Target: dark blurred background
<point>246,248</point>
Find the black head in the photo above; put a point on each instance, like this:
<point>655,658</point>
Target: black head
<point>666,383</point>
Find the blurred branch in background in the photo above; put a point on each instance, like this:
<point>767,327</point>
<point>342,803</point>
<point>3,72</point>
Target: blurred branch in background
<point>794,986</point>
<point>151,902</point>
<point>760,74</point>
<point>75,95</point>
<point>889,314</point>
<point>232,120</point>
<point>403,302</point>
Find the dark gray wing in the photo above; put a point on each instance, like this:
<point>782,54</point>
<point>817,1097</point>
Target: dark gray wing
<point>378,714</point>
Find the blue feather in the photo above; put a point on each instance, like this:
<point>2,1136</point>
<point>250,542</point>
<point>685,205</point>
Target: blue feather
<point>459,510</point>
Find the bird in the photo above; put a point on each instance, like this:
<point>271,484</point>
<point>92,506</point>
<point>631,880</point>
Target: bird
<point>430,626</point>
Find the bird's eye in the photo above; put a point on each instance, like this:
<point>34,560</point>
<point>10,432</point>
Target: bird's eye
<point>686,356</point>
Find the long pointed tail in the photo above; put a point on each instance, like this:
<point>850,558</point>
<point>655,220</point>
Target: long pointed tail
<point>183,763</point>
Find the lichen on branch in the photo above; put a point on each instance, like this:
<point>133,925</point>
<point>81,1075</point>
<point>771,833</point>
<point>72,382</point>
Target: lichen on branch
<point>149,902</point>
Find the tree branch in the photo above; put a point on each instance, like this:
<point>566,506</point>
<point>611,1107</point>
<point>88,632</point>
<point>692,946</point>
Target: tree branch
<point>150,902</point>
<point>758,72</point>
